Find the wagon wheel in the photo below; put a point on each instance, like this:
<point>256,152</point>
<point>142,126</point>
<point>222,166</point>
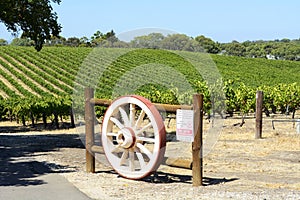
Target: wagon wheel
<point>133,137</point>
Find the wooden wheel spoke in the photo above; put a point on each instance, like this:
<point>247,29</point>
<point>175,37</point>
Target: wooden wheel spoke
<point>140,119</point>
<point>144,128</point>
<point>131,161</point>
<point>124,116</point>
<point>145,150</point>
<point>145,139</point>
<point>117,122</point>
<point>132,115</point>
<point>113,148</point>
<point>141,160</point>
<point>112,134</point>
<point>123,158</point>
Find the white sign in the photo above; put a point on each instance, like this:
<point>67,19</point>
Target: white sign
<point>298,126</point>
<point>185,125</point>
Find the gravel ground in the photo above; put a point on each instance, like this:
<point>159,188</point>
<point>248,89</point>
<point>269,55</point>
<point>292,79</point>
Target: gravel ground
<point>238,167</point>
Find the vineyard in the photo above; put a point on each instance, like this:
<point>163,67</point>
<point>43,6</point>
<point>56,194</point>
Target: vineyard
<point>41,85</point>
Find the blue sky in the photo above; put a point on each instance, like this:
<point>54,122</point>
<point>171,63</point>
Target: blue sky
<point>221,20</point>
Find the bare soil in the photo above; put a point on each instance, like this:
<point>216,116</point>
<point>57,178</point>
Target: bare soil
<point>238,166</point>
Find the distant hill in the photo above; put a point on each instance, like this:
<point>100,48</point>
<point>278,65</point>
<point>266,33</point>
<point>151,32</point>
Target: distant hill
<point>53,70</point>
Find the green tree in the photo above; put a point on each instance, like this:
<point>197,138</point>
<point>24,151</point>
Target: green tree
<point>153,41</point>
<point>175,41</point>
<point>111,37</point>
<point>73,42</point>
<point>193,46</point>
<point>255,51</point>
<point>235,49</point>
<point>269,47</point>
<point>287,51</point>
<point>120,44</point>
<point>84,42</point>
<point>35,18</point>
<point>107,39</point>
<point>97,38</point>
<point>22,42</point>
<point>3,42</point>
<point>97,35</point>
<point>208,44</point>
<point>56,41</point>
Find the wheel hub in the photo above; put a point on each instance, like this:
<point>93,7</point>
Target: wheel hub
<point>126,138</point>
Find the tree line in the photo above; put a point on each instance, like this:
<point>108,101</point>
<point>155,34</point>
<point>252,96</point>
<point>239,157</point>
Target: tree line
<point>283,49</point>
<point>39,26</point>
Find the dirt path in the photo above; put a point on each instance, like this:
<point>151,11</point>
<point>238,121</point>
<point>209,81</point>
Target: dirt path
<point>238,167</point>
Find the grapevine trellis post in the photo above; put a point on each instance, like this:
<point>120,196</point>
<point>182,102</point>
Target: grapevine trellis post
<point>258,114</point>
<point>197,162</point>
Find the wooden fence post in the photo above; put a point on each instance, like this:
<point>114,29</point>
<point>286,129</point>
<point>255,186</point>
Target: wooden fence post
<point>89,129</point>
<point>197,166</point>
<point>258,114</point>
<point>72,118</point>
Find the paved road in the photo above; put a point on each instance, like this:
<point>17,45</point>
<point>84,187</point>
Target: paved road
<point>21,177</point>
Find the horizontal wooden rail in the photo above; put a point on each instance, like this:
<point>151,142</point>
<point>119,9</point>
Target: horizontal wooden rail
<point>173,162</point>
<point>160,107</point>
<point>97,149</point>
<point>100,102</point>
<point>171,108</point>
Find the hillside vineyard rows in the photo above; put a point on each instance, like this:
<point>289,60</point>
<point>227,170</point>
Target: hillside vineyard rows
<point>40,85</point>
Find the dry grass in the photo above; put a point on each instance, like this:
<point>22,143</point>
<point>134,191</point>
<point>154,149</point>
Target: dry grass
<point>270,162</point>
<point>237,163</point>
